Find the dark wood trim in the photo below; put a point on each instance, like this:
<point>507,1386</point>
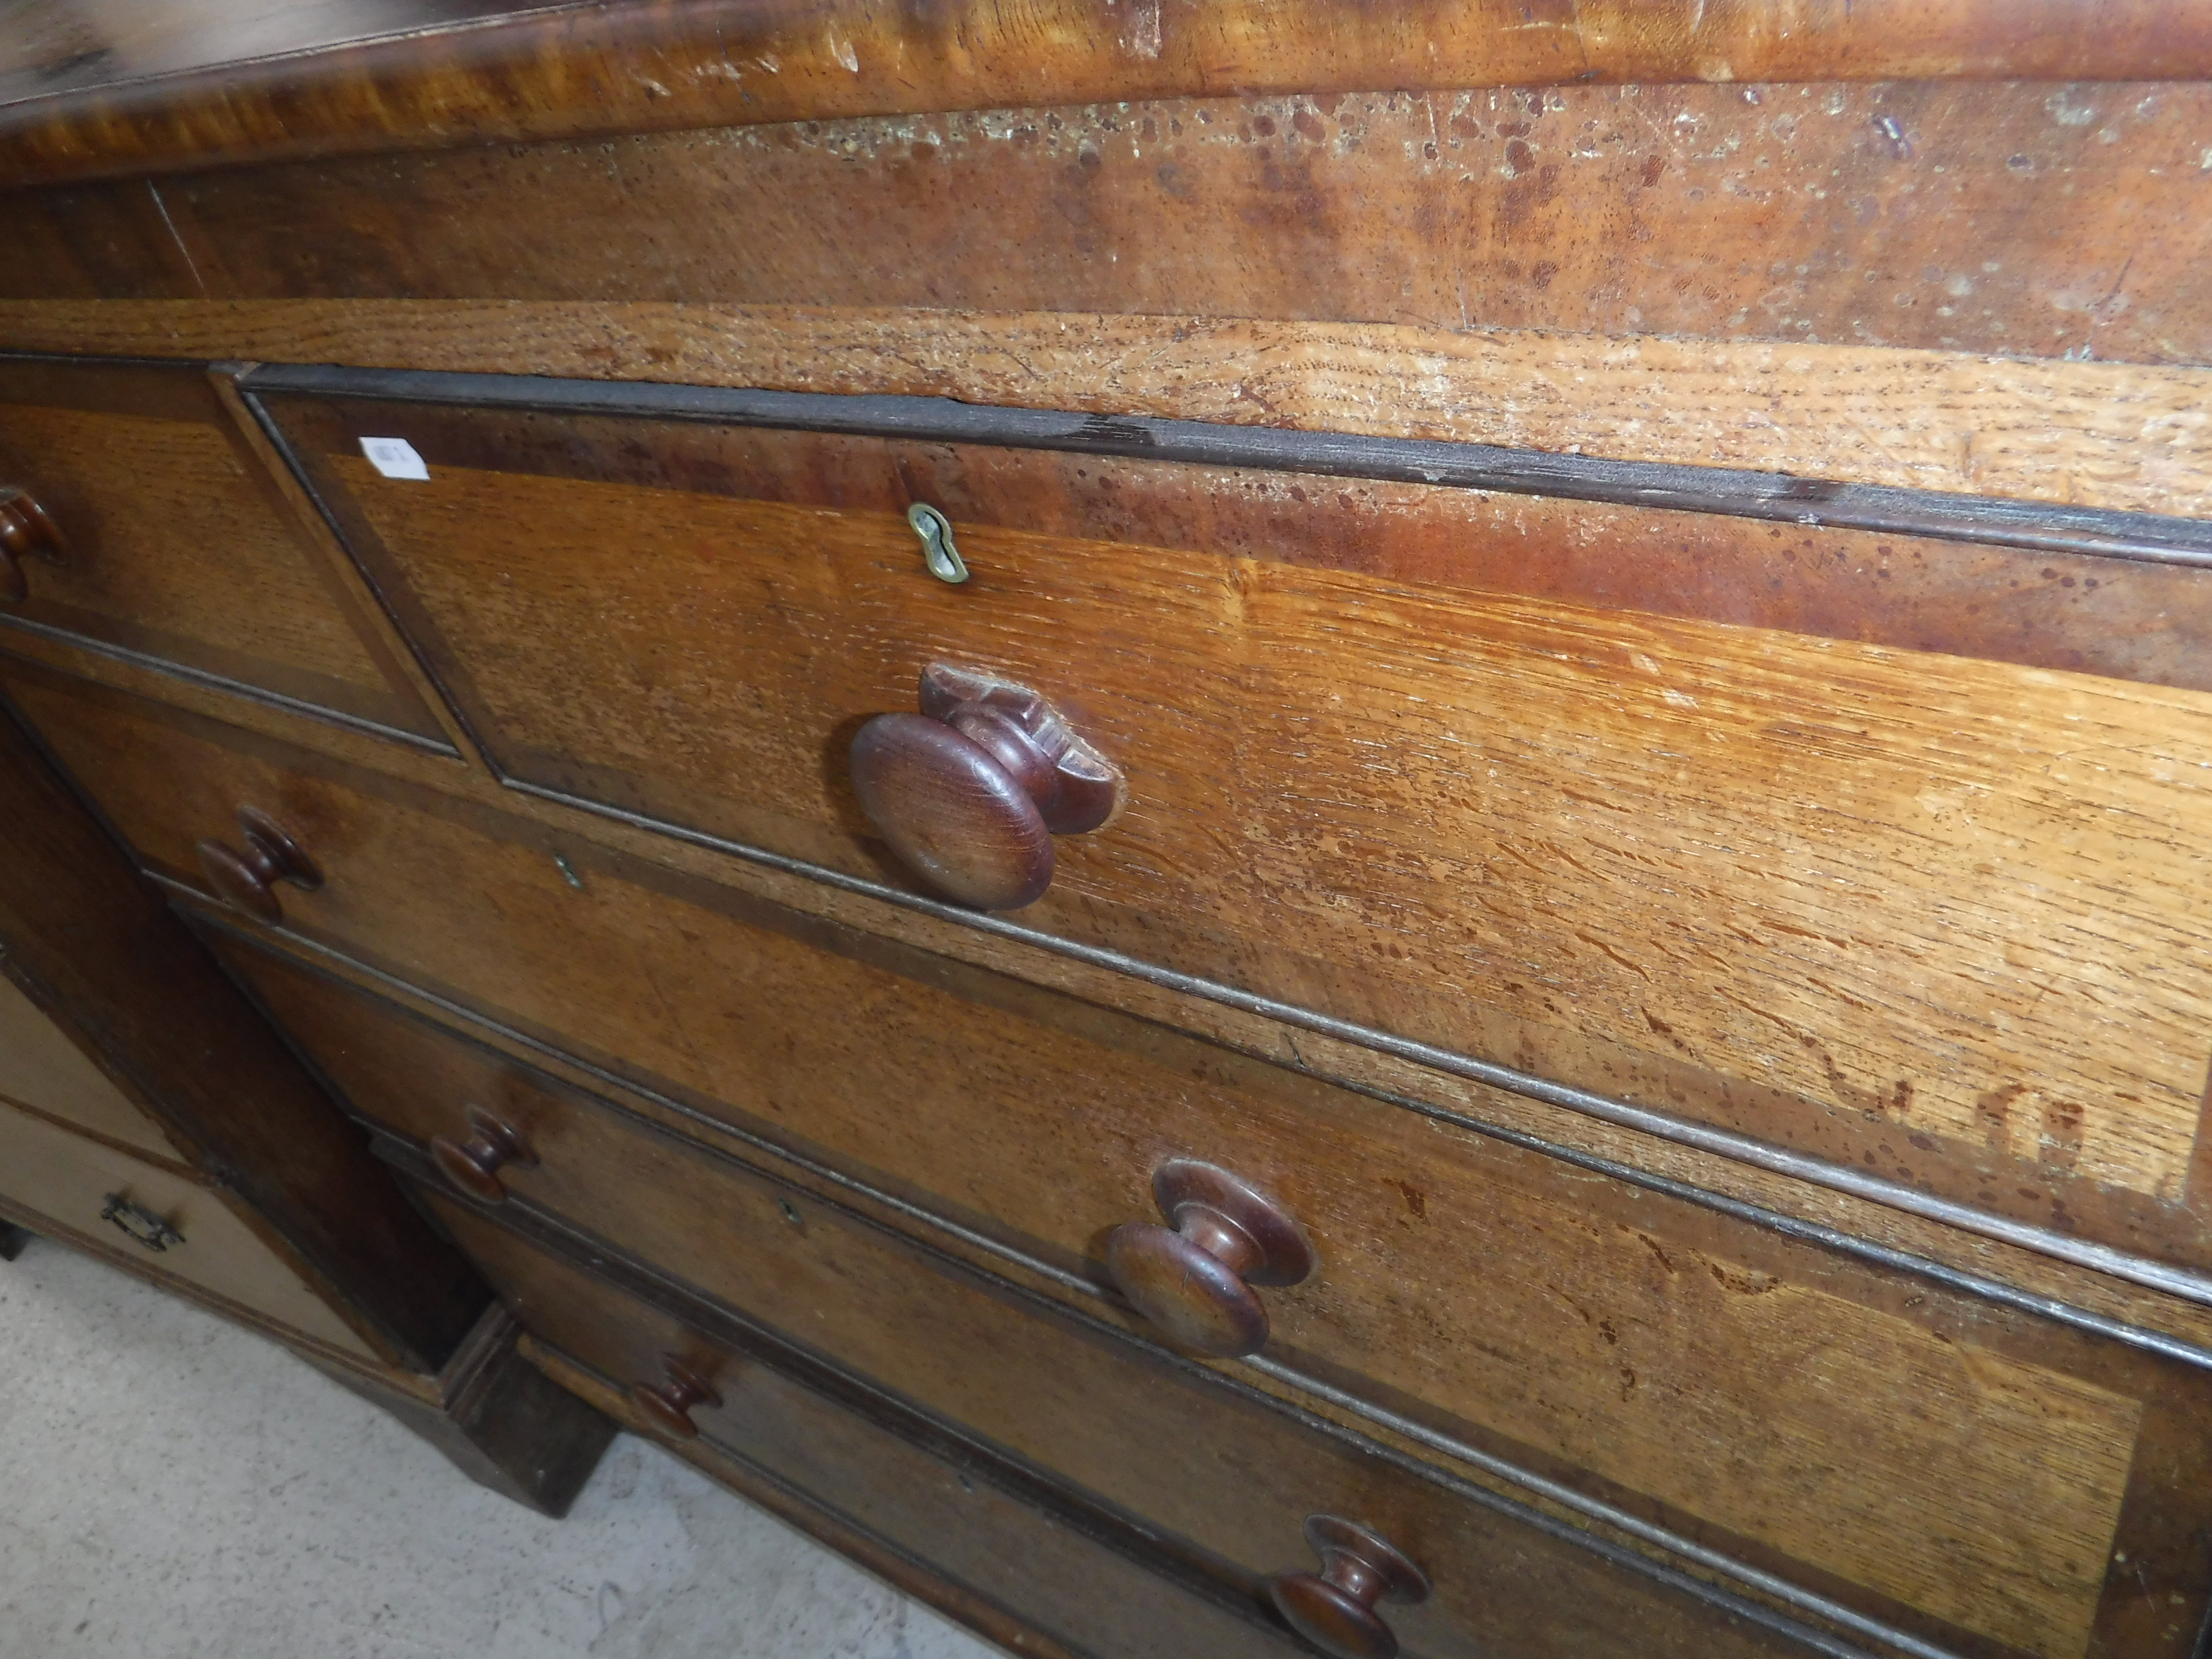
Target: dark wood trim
<point>229,687</point>
<point>167,1163</point>
<point>371,620</point>
<point>94,942</point>
<point>2040,429</point>
<point>2042,527</point>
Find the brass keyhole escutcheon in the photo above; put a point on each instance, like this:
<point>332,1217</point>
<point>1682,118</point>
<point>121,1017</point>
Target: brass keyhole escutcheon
<point>938,551</point>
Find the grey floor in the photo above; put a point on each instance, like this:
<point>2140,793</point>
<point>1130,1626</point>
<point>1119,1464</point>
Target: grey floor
<point>173,1487</point>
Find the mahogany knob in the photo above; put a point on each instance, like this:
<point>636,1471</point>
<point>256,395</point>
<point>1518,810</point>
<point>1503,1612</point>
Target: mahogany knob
<point>473,1166</point>
<point>26,532</point>
<point>667,1405</point>
<point>1196,1283</point>
<point>1334,1608</point>
<point>248,879</point>
<point>970,791</point>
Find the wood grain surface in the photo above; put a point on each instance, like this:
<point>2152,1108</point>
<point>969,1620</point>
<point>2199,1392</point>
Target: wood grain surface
<point>2121,618</point>
<point>1216,1478</point>
<point>136,89</point>
<point>2126,436</point>
<point>2024,219</point>
<point>1306,1050</point>
<point>1951,896</point>
<point>1656,1400</point>
<point>1599,1332</point>
<point>95,945</point>
<point>1886,1218</point>
<point>180,546</point>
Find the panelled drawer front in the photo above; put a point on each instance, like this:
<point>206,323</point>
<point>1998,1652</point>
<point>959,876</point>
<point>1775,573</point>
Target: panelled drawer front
<point>1097,1601</point>
<point>1876,1435</point>
<point>178,547</point>
<point>68,1179</point>
<point>1935,915</point>
<point>41,1068</point>
<point>1231,1477</point>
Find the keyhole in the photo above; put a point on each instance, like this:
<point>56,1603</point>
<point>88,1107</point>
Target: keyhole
<point>938,551</point>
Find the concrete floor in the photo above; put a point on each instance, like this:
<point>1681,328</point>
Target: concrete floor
<point>173,1487</point>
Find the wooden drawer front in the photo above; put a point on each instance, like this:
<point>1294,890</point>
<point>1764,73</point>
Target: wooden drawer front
<point>1182,1454</point>
<point>67,1179</point>
<point>1938,919</point>
<point>1839,1424</point>
<point>180,548</point>
<point>944,1516</point>
<point>41,1068</point>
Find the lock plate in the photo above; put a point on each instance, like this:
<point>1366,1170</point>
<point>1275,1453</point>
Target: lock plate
<point>136,1221</point>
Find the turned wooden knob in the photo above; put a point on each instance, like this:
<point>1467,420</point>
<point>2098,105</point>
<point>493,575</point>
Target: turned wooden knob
<point>26,532</point>
<point>473,1166</point>
<point>1334,1608</point>
<point>970,791</point>
<point>248,879</point>
<point>667,1405</point>
<point>1196,1282</point>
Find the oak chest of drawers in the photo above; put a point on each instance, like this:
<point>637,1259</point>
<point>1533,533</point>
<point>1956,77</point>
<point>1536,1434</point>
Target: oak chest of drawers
<point>1223,857</point>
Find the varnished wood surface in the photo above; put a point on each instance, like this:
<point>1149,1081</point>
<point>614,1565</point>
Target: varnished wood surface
<point>180,547</point>
<point>1624,1341</point>
<point>1504,826</point>
<point>1917,171</point>
<point>2122,618</point>
<point>91,89</point>
<point>2119,436</point>
<point>1883,1218</point>
<point>1219,1478</point>
<point>48,1170</point>
<point>153,771</point>
<point>2024,219</point>
<point>1294,1047</point>
<point>95,943</point>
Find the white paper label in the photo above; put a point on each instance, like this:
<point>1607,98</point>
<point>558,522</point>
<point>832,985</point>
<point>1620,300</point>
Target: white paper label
<point>395,457</point>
